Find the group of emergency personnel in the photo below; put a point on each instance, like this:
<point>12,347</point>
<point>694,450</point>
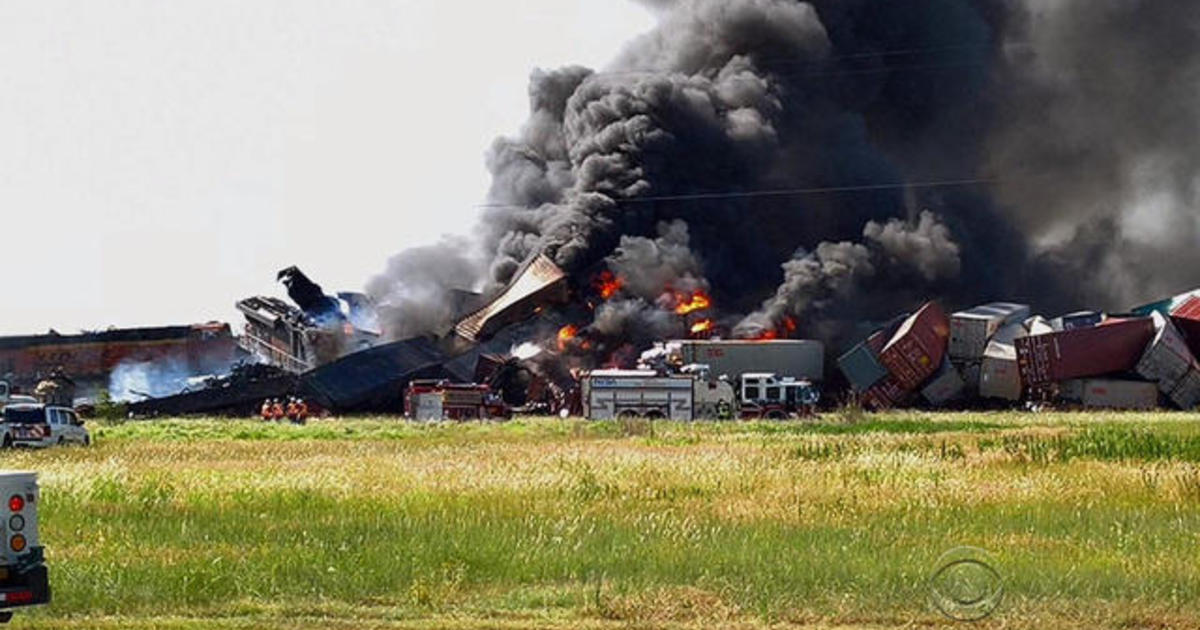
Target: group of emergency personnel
<point>275,410</point>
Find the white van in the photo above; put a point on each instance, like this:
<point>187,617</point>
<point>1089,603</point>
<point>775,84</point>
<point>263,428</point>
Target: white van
<point>24,580</point>
<point>39,426</point>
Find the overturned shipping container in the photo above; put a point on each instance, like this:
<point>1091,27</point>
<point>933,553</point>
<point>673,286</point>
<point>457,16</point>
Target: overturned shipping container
<point>971,330</point>
<point>861,367</point>
<point>1077,320</point>
<point>886,394</point>
<point>1167,360</point>
<point>1186,317</point>
<point>946,385</point>
<point>916,351</point>
<point>1115,346</point>
<point>1186,394</point>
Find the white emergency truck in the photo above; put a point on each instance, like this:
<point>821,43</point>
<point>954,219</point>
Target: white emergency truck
<point>610,394</point>
<point>24,580</point>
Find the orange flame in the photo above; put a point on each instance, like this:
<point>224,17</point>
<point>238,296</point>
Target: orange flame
<point>789,324</point>
<point>608,284</point>
<point>698,301</point>
<point>768,335</point>
<point>566,334</point>
<point>701,326</point>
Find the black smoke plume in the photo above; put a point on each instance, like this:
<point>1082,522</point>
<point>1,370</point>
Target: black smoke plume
<point>780,155</point>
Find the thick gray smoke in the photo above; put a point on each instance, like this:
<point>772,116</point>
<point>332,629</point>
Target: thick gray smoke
<point>1098,145</point>
<point>836,271</point>
<point>1052,141</point>
<point>648,268</point>
<point>421,291</point>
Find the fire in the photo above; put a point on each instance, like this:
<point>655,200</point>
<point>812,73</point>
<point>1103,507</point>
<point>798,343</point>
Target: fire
<point>702,326</point>
<point>697,301</point>
<point>608,283</point>
<point>565,335</point>
<point>789,327</point>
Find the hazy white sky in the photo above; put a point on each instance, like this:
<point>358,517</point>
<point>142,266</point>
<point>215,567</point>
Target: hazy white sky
<point>159,160</point>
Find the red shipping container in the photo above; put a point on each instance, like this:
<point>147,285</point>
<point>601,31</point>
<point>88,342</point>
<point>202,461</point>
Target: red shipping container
<point>916,350</point>
<point>1186,317</point>
<point>885,394</point>
<point>1115,346</point>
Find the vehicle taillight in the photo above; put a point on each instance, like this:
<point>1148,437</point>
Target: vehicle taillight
<point>16,503</point>
<point>17,543</point>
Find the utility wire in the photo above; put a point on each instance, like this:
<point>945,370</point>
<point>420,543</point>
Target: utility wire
<point>781,192</point>
<point>788,61</point>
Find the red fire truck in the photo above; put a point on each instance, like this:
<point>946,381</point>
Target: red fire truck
<point>443,400</point>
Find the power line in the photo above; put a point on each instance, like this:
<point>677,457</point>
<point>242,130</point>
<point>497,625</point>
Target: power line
<point>782,192</point>
<point>788,61</point>
<point>814,74</point>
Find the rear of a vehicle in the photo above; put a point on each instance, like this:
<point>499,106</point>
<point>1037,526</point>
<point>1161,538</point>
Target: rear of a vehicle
<point>24,580</point>
<point>28,425</point>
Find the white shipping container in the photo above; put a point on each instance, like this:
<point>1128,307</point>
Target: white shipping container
<point>1114,394</point>
<point>969,371</point>
<point>1167,359</point>
<point>971,330</point>
<point>999,376</point>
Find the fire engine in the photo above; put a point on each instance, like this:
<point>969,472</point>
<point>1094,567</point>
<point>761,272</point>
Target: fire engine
<point>768,395</point>
<point>443,400</point>
<point>609,394</point>
<point>24,580</point>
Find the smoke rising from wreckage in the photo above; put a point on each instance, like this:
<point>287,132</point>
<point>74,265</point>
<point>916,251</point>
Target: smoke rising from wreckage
<point>650,170</point>
<point>772,169</point>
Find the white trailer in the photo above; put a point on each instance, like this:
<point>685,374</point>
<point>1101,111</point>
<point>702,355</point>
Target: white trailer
<point>610,394</point>
<point>800,358</point>
<point>23,577</point>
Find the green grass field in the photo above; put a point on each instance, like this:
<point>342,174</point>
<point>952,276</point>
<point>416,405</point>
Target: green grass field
<point>1093,520</point>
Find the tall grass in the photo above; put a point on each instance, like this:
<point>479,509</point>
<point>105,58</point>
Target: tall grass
<point>568,523</point>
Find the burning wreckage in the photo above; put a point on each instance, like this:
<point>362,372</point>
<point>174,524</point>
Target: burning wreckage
<point>850,149</point>
<point>328,350</point>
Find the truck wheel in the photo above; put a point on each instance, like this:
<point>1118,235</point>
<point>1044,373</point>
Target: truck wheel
<point>7,441</point>
<point>655,415</point>
<point>776,415</point>
<point>87,440</point>
<point>628,414</point>
<point>5,616</point>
